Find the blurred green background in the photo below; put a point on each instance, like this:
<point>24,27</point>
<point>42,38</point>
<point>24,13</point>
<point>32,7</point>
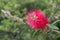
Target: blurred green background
<point>12,30</point>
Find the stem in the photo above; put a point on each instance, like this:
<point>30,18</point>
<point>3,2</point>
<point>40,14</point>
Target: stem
<point>10,16</point>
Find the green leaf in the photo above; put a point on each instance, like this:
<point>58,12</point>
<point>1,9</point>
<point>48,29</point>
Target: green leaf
<point>53,26</point>
<point>4,28</point>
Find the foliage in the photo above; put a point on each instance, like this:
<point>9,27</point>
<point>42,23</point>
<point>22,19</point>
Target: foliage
<point>12,30</point>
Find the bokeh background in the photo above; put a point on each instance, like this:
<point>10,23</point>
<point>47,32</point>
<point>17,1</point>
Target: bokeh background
<point>10,29</point>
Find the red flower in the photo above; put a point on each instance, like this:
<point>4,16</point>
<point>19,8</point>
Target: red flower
<point>37,19</point>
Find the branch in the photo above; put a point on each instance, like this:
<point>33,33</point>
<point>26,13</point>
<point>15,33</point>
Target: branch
<point>8,15</point>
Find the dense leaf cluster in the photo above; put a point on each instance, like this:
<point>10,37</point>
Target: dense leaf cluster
<point>13,30</point>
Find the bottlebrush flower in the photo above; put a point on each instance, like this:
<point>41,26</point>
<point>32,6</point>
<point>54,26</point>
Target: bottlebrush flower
<point>37,20</point>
